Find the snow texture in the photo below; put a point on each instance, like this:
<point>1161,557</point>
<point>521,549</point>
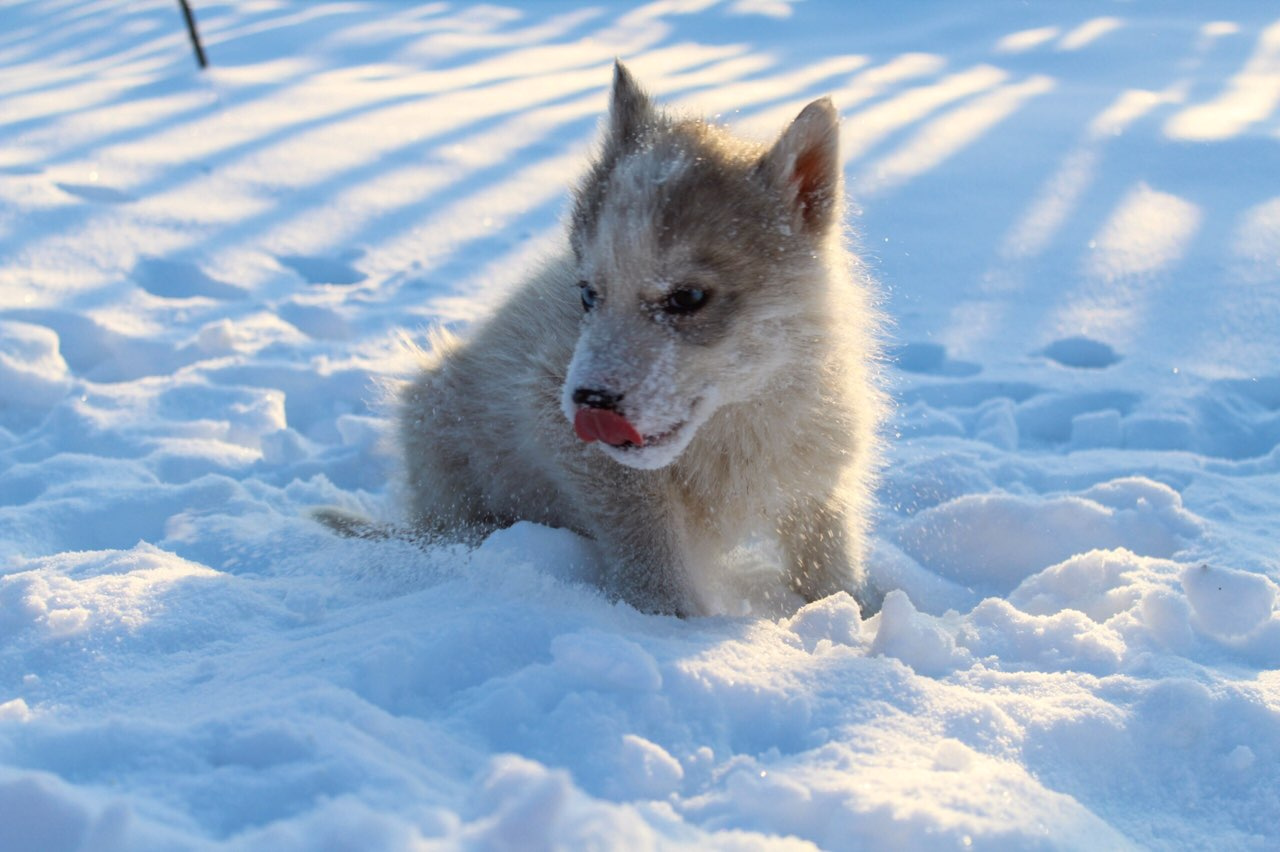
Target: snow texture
<point>204,283</point>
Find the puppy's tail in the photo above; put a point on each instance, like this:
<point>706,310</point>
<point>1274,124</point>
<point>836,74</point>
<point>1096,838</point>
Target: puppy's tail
<point>350,525</point>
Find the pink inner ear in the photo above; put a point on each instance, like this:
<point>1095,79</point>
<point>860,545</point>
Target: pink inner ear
<point>812,179</point>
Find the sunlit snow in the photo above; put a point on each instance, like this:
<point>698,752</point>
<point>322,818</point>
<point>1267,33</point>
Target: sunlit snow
<point>205,282</point>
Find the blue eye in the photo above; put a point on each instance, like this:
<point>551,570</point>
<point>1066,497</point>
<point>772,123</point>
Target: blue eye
<point>685,300</point>
<point>589,296</point>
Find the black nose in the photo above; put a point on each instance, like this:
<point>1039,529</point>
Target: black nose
<point>594,398</point>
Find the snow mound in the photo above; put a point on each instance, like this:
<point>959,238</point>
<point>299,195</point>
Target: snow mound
<point>33,374</point>
<point>997,540</point>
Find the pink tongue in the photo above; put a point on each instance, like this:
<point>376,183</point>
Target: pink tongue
<point>597,424</point>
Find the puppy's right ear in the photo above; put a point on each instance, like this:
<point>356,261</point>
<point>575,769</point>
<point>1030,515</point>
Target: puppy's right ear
<point>804,166</point>
<point>630,109</point>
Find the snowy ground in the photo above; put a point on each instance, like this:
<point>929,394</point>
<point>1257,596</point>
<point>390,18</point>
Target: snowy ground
<point>1075,211</point>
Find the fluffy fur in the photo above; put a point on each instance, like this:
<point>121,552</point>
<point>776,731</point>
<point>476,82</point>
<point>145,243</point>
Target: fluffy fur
<point>759,409</point>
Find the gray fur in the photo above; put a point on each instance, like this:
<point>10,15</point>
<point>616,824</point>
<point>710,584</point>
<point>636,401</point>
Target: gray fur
<point>759,411</point>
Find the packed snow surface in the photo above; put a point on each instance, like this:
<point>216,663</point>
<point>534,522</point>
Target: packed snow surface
<point>205,278</point>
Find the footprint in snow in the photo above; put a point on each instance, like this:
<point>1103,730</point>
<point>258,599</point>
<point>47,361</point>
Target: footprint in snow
<point>932,359</point>
<point>315,321</point>
<point>1263,390</point>
<point>178,279</point>
<point>95,192</point>
<point>1082,352</point>
<point>99,353</point>
<point>325,270</point>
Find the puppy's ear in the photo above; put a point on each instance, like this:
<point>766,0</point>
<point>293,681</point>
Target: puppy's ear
<point>804,166</point>
<point>630,109</point>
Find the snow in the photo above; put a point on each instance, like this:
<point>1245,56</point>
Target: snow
<point>205,282</point>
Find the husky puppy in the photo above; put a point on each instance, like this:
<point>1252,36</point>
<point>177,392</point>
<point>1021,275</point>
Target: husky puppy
<point>698,366</point>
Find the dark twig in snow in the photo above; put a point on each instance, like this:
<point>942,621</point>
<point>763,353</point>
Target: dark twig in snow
<point>194,33</point>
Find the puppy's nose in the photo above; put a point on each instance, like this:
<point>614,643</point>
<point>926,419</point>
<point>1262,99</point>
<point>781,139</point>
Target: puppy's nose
<point>595,398</point>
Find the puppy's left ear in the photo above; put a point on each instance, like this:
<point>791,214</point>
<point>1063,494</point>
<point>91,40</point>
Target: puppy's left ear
<point>804,166</point>
<point>630,109</point>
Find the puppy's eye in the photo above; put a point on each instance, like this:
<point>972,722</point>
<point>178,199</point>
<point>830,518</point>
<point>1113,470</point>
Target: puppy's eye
<point>685,300</point>
<point>589,296</point>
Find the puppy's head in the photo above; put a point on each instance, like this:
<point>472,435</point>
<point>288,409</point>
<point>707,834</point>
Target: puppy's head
<point>701,271</point>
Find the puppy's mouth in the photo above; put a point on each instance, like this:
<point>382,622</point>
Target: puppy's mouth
<point>610,427</point>
<point>601,424</point>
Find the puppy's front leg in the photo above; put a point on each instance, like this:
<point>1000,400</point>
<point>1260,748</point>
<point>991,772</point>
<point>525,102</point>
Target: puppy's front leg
<point>820,559</point>
<point>646,547</point>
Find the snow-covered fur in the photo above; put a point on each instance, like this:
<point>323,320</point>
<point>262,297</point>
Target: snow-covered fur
<point>705,300</point>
